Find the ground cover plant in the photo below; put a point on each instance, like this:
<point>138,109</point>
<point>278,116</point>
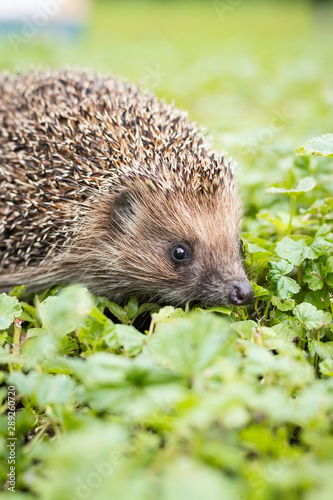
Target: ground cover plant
<point>193,403</point>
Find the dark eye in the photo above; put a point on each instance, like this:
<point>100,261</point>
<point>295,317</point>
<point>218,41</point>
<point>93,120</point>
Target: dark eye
<point>179,252</point>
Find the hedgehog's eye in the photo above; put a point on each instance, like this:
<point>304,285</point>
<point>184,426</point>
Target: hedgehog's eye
<point>180,252</point>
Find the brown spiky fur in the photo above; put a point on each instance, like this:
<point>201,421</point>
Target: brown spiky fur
<point>98,182</point>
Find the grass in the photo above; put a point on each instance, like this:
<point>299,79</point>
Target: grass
<point>223,403</point>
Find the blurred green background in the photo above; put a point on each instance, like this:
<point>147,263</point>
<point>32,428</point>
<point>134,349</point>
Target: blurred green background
<point>257,75</point>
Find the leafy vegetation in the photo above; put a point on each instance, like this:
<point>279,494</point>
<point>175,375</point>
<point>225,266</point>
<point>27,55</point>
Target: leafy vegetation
<point>224,403</point>
<point>196,403</point>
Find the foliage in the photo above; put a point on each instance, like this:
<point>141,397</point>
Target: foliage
<point>199,403</point>
<point>221,403</point>
<point>321,146</point>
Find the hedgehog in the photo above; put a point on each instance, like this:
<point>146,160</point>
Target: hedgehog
<point>105,185</point>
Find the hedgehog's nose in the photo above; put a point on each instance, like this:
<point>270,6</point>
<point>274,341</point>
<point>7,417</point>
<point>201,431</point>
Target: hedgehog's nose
<point>241,293</point>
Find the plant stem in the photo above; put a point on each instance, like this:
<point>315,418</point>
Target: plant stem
<point>299,275</point>
<point>292,212</point>
<point>267,306</point>
<point>301,335</point>
<point>151,328</point>
<point>244,316</point>
<point>16,338</point>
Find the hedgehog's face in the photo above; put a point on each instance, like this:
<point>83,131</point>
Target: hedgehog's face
<point>174,251</point>
<point>206,278</point>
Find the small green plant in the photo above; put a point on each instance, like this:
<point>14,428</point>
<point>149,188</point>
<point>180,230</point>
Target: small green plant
<point>217,403</point>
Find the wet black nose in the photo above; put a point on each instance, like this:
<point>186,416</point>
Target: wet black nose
<point>241,293</point>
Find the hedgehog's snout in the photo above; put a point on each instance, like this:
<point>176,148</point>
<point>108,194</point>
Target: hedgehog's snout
<point>241,293</point>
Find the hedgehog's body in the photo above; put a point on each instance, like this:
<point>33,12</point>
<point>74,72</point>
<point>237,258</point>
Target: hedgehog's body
<point>104,185</point>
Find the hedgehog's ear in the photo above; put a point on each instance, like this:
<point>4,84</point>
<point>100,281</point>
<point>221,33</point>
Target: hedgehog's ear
<point>123,208</point>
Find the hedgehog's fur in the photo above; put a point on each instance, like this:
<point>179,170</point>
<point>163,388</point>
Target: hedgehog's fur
<point>98,182</point>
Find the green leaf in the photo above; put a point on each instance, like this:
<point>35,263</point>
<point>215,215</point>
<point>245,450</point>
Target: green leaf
<point>88,461</point>
<point>323,349</point>
<point>35,332</point>
<point>324,230</point>
<point>284,286</point>
<point>218,309</point>
<point>315,276</point>
<point>26,316</point>
<point>3,338</point>
<point>281,267</point>
<point>189,345</point>
<point>67,311</point>
<point>44,389</point>
<point>296,251</point>
<point>283,332</point>
<point>57,365</point>
<point>194,481</point>
<point>326,367</point>
<point>327,318</point>
<point>285,305</point>
<point>244,328</point>
<point>329,280</point>
<point>305,185</point>
<point>314,282</point>
<point>329,264</point>
<point>291,250</point>
<point>118,311</point>
<point>308,315</point>
<point>319,300</point>
<point>67,345</point>
<point>125,336</point>
<point>9,310</point>
<point>318,247</point>
<point>252,248</point>
<point>319,146</point>
<point>31,310</point>
<point>259,291</point>
<point>132,307</point>
<point>37,348</point>
<point>18,291</point>
<point>163,313</point>
<point>148,306</point>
